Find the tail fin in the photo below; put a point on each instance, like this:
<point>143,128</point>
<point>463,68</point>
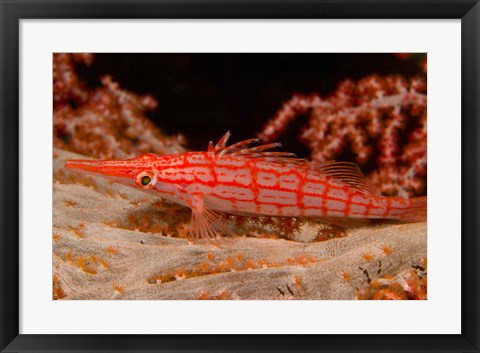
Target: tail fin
<point>417,212</point>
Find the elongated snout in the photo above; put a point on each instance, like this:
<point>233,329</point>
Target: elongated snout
<point>83,165</point>
<point>106,168</point>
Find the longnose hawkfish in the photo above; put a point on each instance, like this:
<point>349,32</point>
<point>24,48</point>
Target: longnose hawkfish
<point>251,181</point>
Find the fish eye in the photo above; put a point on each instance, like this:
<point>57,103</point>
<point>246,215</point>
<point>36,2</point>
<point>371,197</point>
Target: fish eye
<point>145,179</point>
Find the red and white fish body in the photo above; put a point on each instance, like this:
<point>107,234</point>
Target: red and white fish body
<point>249,181</point>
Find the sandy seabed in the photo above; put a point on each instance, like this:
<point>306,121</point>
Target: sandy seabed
<point>96,256</point>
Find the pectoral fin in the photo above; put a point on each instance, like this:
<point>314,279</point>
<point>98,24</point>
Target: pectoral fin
<point>206,222</point>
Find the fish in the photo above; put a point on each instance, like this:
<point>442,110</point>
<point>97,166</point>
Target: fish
<point>254,181</point>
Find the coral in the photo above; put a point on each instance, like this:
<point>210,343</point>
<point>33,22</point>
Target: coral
<point>230,264</point>
<point>329,231</point>
<point>112,250</point>
<point>118,288</point>
<point>381,121</point>
<point>367,256</point>
<point>106,122</point>
<point>292,290</point>
<point>77,231</point>
<point>346,276</point>
<point>386,249</point>
<point>98,244</point>
<point>407,285</point>
<point>223,295</point>
<point>89,264</point>
<point>58,292</point>
<point>67,87</point>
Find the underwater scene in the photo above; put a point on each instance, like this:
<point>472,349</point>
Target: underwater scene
<point>239,176</point>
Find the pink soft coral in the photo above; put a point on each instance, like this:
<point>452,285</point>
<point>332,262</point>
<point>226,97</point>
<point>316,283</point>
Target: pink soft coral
<point>381,120</point>
<point>106,122</point>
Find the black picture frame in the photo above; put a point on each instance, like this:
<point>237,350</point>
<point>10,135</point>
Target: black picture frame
<point>13,10</point>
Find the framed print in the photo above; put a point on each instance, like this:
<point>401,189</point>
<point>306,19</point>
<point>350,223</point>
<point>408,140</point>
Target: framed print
<point>236,176</point>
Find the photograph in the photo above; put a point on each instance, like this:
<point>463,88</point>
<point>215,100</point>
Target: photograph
<point>259,168</point>
<point>239,176</point>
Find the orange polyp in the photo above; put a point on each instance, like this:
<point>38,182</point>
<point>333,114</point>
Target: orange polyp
<point>76,231</point>
<point>386,249</point>
<point>112,250</point>
<point>158,203</point>
<point>90,270</point>
<point>58,292</point>
<point>70,203</point>
<point>250,264</point>
<point>104,264</point>
<point>119,288</point>
<point>367,256</point>
<point>297,281</point>
<point>301,260</point>
<point>204,267</point>
<point>132,219</point>
<point>155,229</point>
<point>109,223</point>
<point>181,273</point>
<point>346,276</point>
<point>69,257</point>
<point>81,262</point>
<point>224,295</point>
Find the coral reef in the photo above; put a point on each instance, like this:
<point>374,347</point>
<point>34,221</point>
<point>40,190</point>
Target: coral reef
<point>408,285</point>
<point>112,242</point>
<point>381,121</point>
<point>105,122</point>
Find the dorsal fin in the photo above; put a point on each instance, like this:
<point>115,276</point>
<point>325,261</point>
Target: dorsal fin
<point>242,148</point>
<point>350,174</point>
<point>211,147</point>
<point>238,146</point>
<point>222,143</point>
<point>347,173</point>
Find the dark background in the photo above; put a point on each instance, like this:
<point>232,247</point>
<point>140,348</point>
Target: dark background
<point>204,95</point>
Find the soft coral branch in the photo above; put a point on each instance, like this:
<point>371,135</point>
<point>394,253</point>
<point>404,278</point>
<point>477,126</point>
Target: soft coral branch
<point>382,120</point>
<point>107,122</point>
